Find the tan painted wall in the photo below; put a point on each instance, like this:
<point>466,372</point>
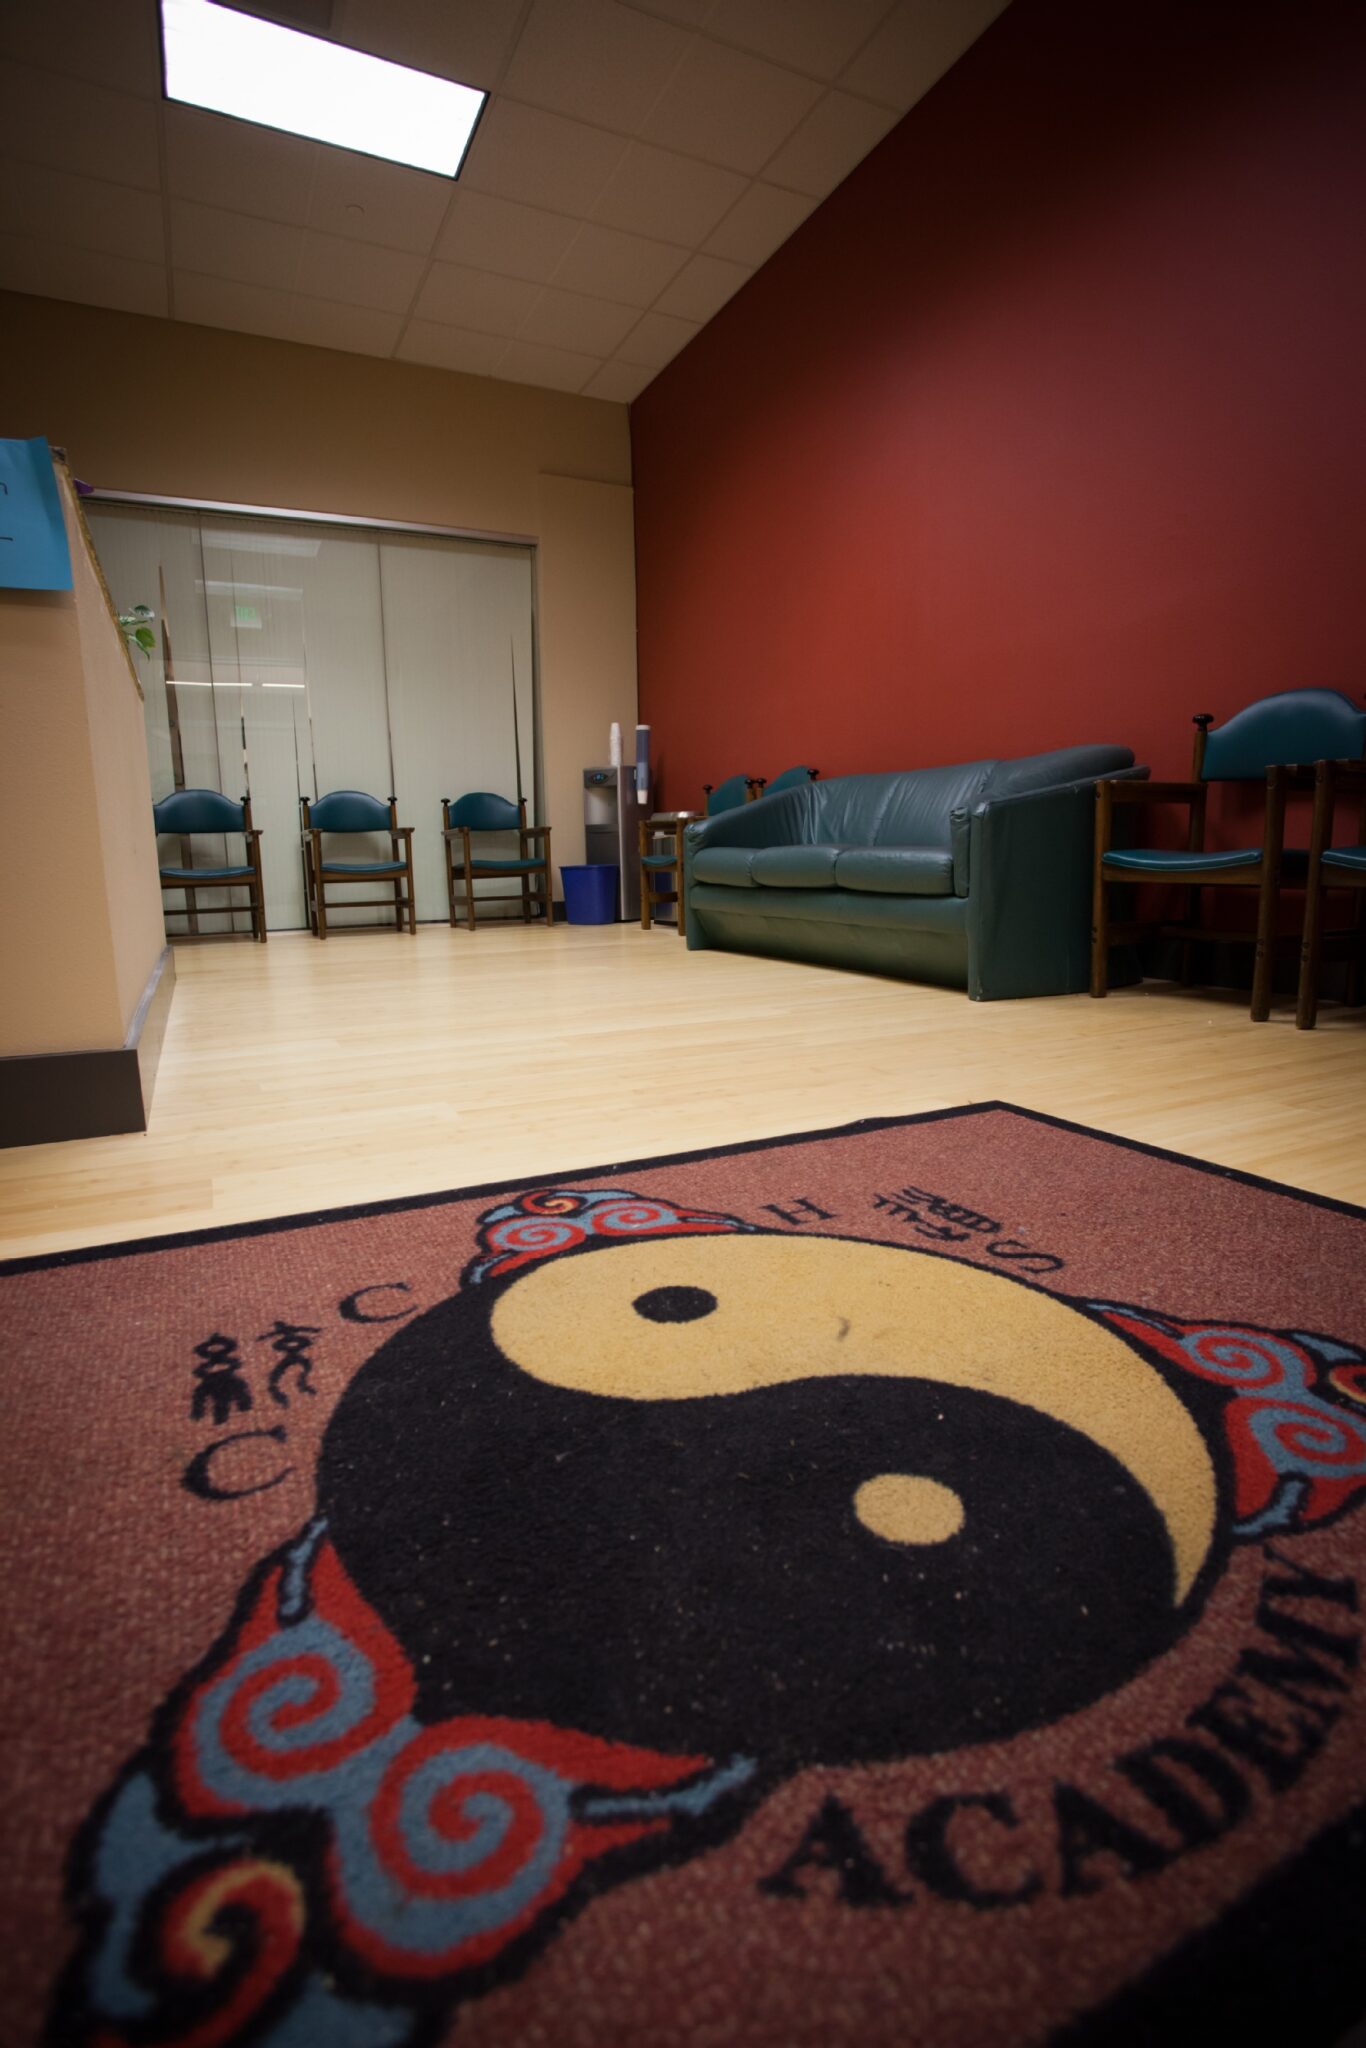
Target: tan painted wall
<point>81,928</point>
<point>190,412</point>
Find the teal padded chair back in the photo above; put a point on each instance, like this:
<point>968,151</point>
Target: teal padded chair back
<point>791,778</point>
<point>348,810</point>
<point>725,796</point>
<point>482,811</point>
<point>197,810</point>
<point>1293,726</point>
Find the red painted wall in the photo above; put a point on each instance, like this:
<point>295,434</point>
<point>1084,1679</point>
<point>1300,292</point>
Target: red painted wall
<point>1049,426</point>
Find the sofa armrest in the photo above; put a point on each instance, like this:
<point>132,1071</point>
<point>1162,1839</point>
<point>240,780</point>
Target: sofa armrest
<point>1029,890</point>
<point>786,819</point>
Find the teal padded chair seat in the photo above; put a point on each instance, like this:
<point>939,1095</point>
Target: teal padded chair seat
<point>795,867</point>
<point>975,875</point>
<point>656,860</point>
<point>1156,862</point>
<point>895,870</point>
<point>205,874</point>
<point>364,867</point>
<point>1352,858</point>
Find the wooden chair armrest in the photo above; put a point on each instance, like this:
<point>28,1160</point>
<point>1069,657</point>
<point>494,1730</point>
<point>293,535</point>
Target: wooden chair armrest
<point>536,831</point>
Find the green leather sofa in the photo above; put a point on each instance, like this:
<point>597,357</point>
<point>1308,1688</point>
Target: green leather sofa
<point>976,876</point>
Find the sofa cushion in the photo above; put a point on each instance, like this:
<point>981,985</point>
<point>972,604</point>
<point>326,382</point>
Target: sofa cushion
<point>896,870</point>
<point>796,867</point>
<point>729,865</point>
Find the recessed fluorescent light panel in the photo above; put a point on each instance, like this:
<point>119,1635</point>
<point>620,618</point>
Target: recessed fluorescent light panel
<point>257,71</point>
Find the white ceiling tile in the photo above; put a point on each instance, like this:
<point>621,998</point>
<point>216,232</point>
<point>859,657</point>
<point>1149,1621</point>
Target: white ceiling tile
<point>916,46</point>
<point>593,60</point>
<point>214,243</point>
<point>610,265</point>
<point>234,164</point>
<point>357,273</point>
<point>815,36</point>
<point>468,43</point>
<point>497,234</point>
<point>92,276</point>
<point>475,299</point>
<point>540,159</point>
<point>529,362</point>
<point>687,13</point>
<point>759,222</point>
<point>222,302</point>
<point>86,212</point>
<point>359,329</point>
<point>653,192</point>
<point>702,288</point>
<point>834,137</point>
<point>109,42</point>
<point>569,320</point>
<point>656,339</point>
<point>450,348</point>
<point>370,201</point>
<point>729,108</point>
<point>619,381</point>
<point>77,126</point>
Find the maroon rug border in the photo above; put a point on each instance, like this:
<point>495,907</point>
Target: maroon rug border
<point>309,1219</point>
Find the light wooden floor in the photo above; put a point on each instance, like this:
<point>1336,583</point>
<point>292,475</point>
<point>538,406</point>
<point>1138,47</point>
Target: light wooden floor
<point>300,1075</point>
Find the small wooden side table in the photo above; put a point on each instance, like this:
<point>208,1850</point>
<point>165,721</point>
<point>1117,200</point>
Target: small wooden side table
<point>661,865</point>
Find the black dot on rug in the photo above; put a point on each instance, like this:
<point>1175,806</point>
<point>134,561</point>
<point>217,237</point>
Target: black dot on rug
<point>674,1304</point>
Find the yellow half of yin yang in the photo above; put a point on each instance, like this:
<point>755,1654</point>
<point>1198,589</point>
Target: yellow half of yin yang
<point>796,1308</point>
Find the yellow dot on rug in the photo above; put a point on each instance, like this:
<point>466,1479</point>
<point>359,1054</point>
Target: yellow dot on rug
<point>903,1507</point>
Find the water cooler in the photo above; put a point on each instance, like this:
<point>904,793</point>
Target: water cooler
<point>611,827</point>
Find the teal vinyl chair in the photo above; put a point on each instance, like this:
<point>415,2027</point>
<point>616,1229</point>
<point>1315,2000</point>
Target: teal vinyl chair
<point>351,810</point>
<point>189,811</point>
<point>1270,741</point>
<point>481,811</point>
<point>791,778</point>
<point>728,795</point>
<point>1332,867</point>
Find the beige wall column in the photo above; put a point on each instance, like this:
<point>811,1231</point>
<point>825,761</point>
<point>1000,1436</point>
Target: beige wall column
<point>81,933</point>
<point>586,607</point>
<point>82,919</point>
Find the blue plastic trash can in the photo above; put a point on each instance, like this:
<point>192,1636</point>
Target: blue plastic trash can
<point>590,893</point>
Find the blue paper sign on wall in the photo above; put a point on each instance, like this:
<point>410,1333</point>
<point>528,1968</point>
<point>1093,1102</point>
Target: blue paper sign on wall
<point>33,550</point>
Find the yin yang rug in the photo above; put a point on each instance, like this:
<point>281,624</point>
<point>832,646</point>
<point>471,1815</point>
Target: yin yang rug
<point>894,1585</point>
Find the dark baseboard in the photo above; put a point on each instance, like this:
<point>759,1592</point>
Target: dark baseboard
<point>45,1097</point>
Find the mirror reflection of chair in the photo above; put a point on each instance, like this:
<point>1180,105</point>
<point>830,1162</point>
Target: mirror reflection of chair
<point>463,819</point>
<point>187,812</point>
<point>727,795</point>
<point>791,778</point>
<point>1333,867</point>
<point>352,810</point>
<point>1260,743</point>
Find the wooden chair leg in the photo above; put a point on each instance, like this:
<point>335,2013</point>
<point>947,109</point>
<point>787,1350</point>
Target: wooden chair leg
<point>1100,938</point>
<point>1268,896</point>
<point>412,901</point>
<point>1356,954</point>
<point>1311,946</point>
<point>1100,927</point>
<point>549,889</point>
<point>469,898</point>
<point>320,896</point>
